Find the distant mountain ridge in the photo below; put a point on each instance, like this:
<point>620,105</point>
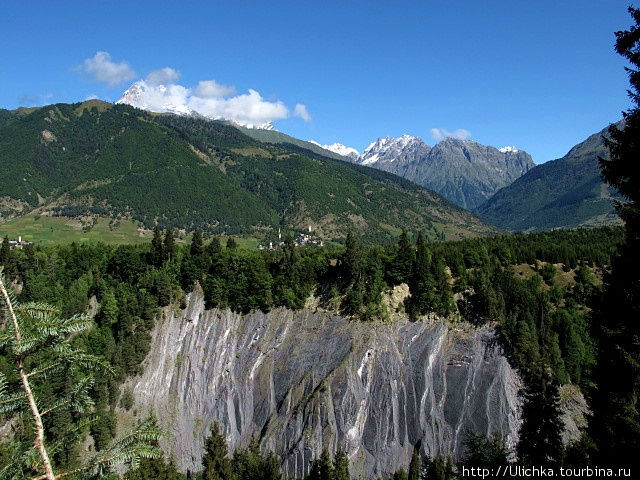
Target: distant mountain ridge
<point>563,193</point>
<point>464,172</point>
<point>95,159</point>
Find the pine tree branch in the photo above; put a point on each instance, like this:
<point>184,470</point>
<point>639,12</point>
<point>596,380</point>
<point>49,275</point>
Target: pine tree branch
<point>39,440</point>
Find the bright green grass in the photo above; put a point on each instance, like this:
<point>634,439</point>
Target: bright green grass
<point>42,230</point>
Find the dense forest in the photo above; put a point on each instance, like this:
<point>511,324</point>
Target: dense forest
<point>540,289</point>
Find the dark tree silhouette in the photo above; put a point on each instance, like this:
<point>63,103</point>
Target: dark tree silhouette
<point>616,421</point>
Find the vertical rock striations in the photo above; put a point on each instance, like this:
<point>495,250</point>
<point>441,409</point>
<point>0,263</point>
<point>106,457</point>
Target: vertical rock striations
<point>306,380</point>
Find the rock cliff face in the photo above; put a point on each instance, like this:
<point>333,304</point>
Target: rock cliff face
<point>306,380</point>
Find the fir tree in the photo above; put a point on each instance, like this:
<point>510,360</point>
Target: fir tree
<point>4,251</point>
<point>616,401</point>
<point>37,340</point>
<point>422,285</point>
<point>341,466</point>
<point>197,244</point>
<point>217,465</point>
<point>214,247</point>
<point>440,468</point>
<point>169,246</point>
<point>154,469</point>
<point>400,266</point>
<point>352,259</point>
<point>251,464</point>
<point>414,466</point>
<point>485,452</point>
<point>540,434</point>
<point>157,251</point>
<point>321,468</point>
<point>400,474</point>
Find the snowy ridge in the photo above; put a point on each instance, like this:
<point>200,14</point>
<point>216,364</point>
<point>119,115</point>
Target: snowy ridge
<point>172,99</point>
<point>508,149</point>
<point>388,150</point>
<point>340,149</point>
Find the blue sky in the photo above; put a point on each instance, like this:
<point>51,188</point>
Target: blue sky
<point>539,75</point>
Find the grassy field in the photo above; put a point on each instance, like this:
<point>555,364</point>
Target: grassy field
<point>43,230</point>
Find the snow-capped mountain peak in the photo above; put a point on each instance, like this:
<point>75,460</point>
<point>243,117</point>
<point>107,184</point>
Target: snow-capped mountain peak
<point>135,96</point>
<point>340,149</point>
<point>387,150</point>
<point>508,149</point>
<point>173,99</point>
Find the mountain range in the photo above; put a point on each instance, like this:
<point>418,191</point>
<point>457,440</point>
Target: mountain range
<point>563,193</point>
<point>503,186</point>
<point>98,159</point>
<point>464,172</point>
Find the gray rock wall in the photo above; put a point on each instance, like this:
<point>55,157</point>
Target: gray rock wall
<point>306,380</point>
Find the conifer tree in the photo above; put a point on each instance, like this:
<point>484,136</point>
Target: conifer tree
<point>440,468</point>
<point>169,246</point>
<point>157,252</point>
<point>400,474</point>
<point>251,464</point>
<point>197,244</point>
<point>341,466</point>
<point>217,465</point>
<point>321,468</point>
<point>214,247</point>
<point>422,285</point>
<point>352,259</point>
<point>616,402</point>
<point>39,343</point>
<point>402,261</point>
<point>4,251</point>
<point>540,441</point>
<point>414,466</point>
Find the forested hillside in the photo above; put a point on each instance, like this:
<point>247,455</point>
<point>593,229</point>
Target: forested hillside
<point>96,159</point>
<point>563,193</point>
<point>538,288</point>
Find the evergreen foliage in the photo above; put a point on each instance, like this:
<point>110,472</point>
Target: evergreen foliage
<point>415,466</point>
<point>484,452</point>
<point>321,468</point>
<point>615,426</point>
<point>439,468</point>
<point>38,341</point>
<point>251,464</point>
<point>192,173</point>
<point>341,466</point>
<point>215,462</point>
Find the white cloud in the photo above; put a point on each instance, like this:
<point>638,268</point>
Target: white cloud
<point>212,89</point>
<point>440,134</point>
<point>247,109</point>
<point>103,69</point>
<point>159,93</point>
<point>91,96</point>
<point>163,76</point>
<point>302,112</point>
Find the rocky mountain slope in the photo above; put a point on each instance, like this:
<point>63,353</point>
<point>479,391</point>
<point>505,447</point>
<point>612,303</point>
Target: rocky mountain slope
<point>464,172</point>
<point>563,193</point>
<point>98,159</point>
<point>301,381</point>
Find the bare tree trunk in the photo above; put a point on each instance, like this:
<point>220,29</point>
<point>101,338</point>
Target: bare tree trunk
<point>39,440</point>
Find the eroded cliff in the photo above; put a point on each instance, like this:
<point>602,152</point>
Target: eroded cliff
<point>306,380</point>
